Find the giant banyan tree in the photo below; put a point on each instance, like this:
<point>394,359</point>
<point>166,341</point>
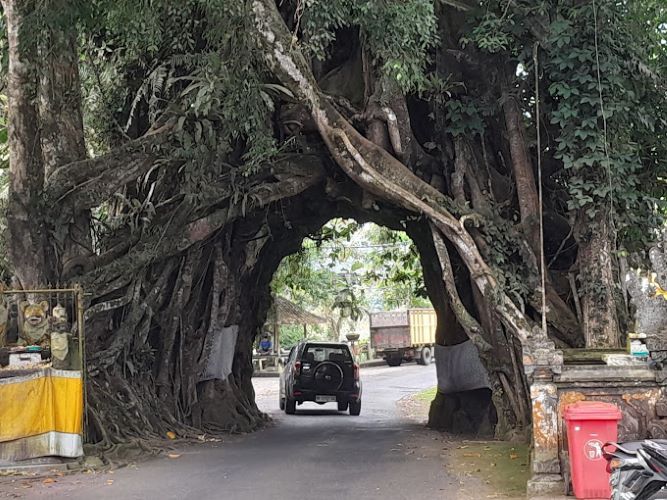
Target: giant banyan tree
<point>167,155</point>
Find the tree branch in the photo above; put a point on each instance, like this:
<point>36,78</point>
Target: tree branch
<point>87,183</point>
<point>178,235</point>
<point>470,324</point>
<point>458,4</point>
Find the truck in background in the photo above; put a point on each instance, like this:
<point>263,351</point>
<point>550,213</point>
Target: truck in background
<point>399,336</point>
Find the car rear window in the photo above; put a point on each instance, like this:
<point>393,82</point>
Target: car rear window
<point>325,353</point>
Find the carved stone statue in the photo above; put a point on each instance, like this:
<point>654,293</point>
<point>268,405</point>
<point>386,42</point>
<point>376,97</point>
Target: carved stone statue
<point>648,291</point>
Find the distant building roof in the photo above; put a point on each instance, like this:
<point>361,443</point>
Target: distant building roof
<point>291,314</point>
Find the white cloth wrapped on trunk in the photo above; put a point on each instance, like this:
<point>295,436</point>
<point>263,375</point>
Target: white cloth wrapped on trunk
<point>459,368</point>
<point>219,353</point>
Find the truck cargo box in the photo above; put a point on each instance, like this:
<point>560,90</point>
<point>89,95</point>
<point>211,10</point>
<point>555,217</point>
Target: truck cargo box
<point>404,335</point>
<point>400,329</point>
<point>390,337</point>
<point>389,330</point>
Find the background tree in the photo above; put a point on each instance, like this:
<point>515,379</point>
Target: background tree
<point>345,271</point>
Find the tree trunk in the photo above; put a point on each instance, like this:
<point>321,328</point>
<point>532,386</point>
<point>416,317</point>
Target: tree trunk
<point>188,288</point>
<point>161,335</point>
<point>597,286</point>
<point>558,313</point>
<point>61,121</point>
<point>28,245</point>
<point>62,137</point>
<point>508,390</point>
<point>522,166</point>
<point>448,331</point>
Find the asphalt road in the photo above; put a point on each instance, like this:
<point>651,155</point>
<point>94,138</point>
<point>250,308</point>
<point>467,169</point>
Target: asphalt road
<point>317,453</point>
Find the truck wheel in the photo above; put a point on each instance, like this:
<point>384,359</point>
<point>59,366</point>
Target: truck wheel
<point>394,360</point>
<point>355,408</point>
<point>282,403</point>
<point>290,406</point>
<point>426,356</point>
<point>342,406</point>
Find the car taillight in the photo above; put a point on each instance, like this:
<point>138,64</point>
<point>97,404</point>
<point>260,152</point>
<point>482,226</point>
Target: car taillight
<point>613,464</point>
<point>356,371</point>
<point>297,367</point>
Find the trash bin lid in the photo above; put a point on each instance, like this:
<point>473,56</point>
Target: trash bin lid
<point>592,410</point>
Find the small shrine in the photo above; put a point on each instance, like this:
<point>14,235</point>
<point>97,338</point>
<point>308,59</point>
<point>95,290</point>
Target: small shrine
<point>42,376</point>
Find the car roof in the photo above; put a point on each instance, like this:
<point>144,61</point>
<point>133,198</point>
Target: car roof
<point>323,344</point>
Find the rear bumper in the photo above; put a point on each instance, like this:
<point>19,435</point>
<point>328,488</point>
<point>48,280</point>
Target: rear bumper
<point>395,353</point>
<point>302,395</point>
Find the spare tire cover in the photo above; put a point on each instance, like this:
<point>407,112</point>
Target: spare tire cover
<point>328,376</point>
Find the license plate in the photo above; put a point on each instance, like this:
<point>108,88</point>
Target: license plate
<point>325,399</point>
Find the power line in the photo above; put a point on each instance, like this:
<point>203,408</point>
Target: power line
<point>358,247</point>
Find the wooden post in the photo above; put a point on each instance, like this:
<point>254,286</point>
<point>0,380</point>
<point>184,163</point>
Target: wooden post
<point>305,331</point>
<point>276,325</point>
<point>276,344</point>
<point>276,338</point>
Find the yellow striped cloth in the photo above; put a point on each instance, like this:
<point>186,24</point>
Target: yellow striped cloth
<point>41,415</point>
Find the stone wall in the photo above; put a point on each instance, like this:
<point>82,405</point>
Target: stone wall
<point>633,389</point>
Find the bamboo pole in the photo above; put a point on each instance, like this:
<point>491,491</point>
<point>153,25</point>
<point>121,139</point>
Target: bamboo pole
<point>78,296</point>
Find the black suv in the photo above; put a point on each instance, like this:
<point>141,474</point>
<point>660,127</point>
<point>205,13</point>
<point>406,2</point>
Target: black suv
<point>321,372</point>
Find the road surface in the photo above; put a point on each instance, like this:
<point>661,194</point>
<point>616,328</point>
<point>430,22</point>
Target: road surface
<point>317,453</point>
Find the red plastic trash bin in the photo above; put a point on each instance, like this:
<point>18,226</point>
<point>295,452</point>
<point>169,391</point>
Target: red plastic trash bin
<point>590,424</point>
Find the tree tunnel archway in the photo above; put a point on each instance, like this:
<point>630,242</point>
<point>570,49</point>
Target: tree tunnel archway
<point>464,402</point>
<point>278,232</point>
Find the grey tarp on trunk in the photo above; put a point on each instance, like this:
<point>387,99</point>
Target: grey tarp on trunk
<point>220,353</point>
<point>459,368</point>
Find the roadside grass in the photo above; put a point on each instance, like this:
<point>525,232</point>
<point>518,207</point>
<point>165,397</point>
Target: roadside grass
<point>427,395</point>
<point>503,466</point>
